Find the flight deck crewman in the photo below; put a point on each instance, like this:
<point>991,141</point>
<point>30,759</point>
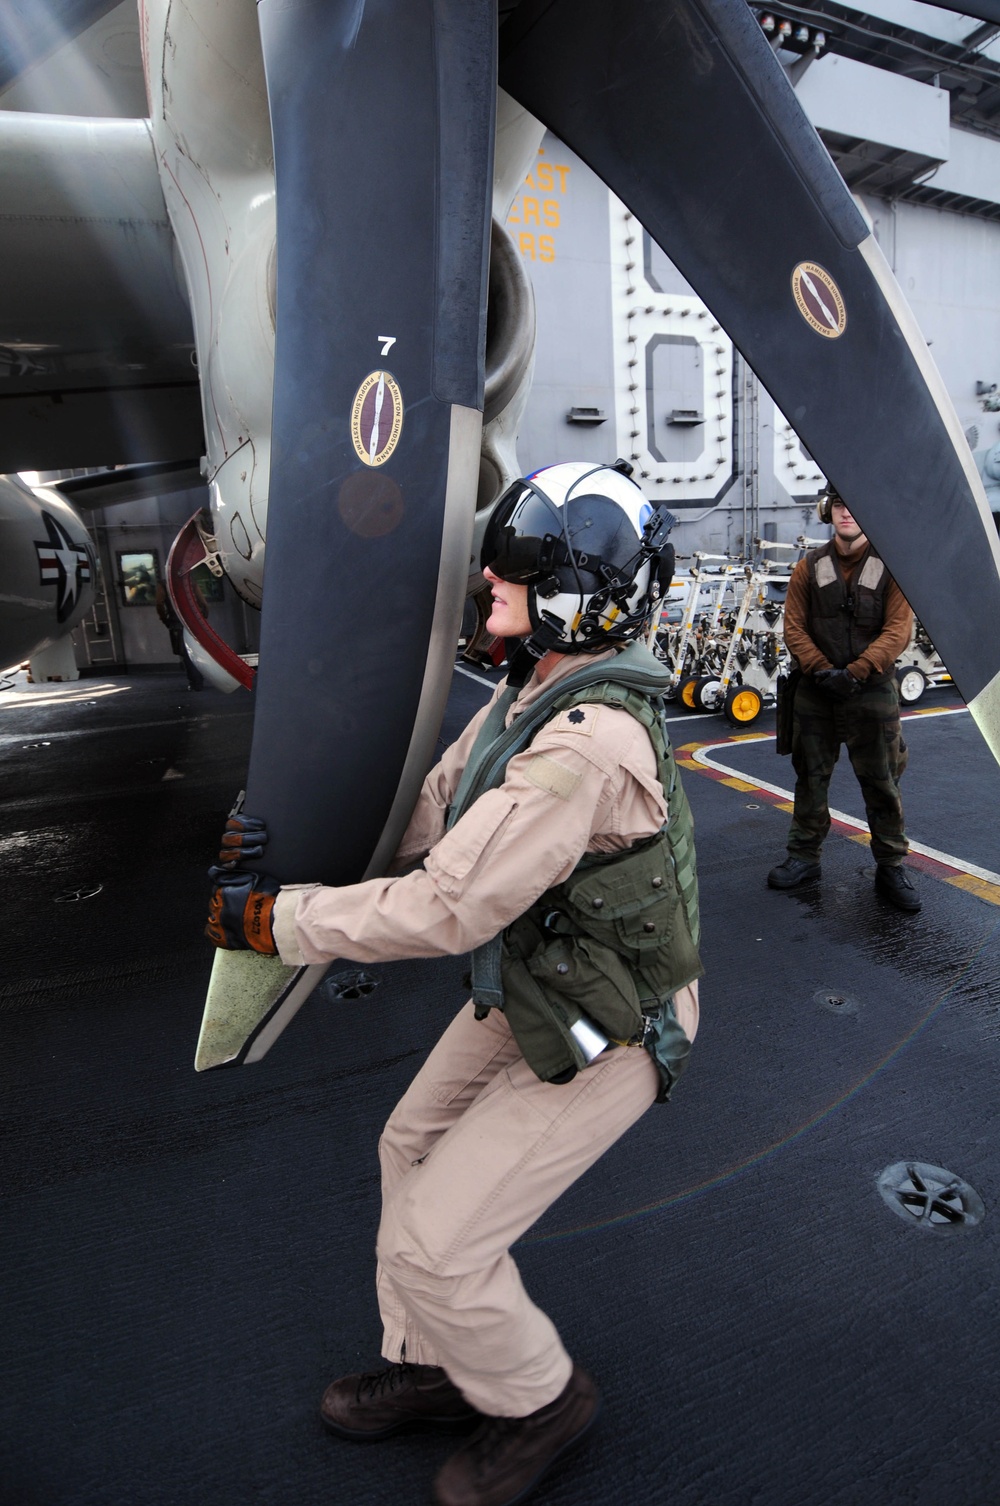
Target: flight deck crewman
<point>556,846</point>
<point>846,623</point>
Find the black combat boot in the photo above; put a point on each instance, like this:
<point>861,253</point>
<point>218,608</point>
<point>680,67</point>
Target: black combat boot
<point>369,1407</point>
<point>894,884</point>
<point>507,1456</point>
<point>791,872</point>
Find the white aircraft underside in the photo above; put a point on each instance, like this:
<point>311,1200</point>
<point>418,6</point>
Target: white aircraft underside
<point>149,246</point>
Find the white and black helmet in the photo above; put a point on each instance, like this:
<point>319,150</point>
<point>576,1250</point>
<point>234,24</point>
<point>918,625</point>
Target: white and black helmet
<point>591,549</point>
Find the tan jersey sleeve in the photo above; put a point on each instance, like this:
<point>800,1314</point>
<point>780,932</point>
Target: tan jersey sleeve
<point>882,653</point>
<point>584,785</point>
<point>797,639</point>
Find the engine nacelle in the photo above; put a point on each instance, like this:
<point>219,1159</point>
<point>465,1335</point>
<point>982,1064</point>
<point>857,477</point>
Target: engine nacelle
<point>210,122</point>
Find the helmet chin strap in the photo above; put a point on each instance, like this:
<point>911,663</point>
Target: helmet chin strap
<point>546,636</point>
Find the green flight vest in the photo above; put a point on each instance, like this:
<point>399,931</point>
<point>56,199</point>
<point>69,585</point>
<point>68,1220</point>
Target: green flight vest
<point>617,938</point>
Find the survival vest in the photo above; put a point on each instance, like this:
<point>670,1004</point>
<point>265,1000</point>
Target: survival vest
<point>845,616</point>
<point>617,938</point>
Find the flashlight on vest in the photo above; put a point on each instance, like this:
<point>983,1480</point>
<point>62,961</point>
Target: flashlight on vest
<point>589,1039</point>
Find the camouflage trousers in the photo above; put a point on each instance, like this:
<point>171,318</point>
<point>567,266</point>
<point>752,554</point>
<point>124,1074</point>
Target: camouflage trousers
<point>867,724</point>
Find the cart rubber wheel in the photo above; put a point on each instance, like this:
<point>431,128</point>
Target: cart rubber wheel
<point>706,693</point>
<point>743,705</point>
<point>912,684</point>
<point>686,693</point>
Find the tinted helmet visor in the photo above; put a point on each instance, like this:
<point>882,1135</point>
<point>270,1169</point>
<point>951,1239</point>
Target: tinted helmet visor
<point>517,545</point>
<point>530,539</point>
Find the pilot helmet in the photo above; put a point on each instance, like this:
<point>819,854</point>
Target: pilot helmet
<point>824,502</point>
<point>589,546</point>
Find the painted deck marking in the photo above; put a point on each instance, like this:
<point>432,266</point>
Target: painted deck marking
<point>473,676</point>
<point>981,882</point>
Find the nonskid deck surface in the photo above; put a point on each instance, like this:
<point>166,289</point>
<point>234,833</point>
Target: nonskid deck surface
<point>188,1259</point>
<point>950,788</point>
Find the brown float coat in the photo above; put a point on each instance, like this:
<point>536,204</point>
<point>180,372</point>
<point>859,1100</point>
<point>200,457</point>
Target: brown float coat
<point>881,653</point>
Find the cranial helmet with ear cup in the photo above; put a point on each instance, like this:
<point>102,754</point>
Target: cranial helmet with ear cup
<point>590,548</point>
<point>824,503</point>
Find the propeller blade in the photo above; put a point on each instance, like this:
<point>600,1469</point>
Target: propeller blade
<point>983,10</point>
<point>382,120</point>
<point>685,113</point>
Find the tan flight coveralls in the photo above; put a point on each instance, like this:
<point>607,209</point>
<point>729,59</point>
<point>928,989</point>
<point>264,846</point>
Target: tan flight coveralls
<point>478,1147</point>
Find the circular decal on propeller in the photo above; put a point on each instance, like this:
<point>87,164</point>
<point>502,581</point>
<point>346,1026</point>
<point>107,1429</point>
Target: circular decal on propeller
<point>376,418</point>
<point>818,300</point>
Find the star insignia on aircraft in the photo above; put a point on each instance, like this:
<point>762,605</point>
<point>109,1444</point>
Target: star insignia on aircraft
<point>62,564</point>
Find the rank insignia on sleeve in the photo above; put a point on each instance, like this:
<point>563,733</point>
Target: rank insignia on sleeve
<point>579,719</point>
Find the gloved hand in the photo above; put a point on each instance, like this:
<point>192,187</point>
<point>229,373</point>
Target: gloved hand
<point>837,682</point>
<point>240,909</point>
<point>243,841</point>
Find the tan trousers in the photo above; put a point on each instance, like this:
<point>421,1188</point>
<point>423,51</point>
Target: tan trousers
<point>474,1152</point>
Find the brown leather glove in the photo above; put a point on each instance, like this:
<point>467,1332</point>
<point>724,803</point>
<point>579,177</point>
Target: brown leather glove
<point>240,910</point>
<point>243,841</point>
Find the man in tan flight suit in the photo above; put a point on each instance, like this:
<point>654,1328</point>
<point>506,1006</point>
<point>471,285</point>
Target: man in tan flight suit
<point>479,1146</point>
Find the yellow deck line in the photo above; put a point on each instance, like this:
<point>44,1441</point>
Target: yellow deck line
<point>972,885</point>
<point>978,884</point>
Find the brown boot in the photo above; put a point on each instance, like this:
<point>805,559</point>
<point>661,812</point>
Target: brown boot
<point>507,1456</point>
<point>369,1407</point>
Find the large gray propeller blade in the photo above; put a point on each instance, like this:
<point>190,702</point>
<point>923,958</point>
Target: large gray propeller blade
<point>681,107</point>
<point>983,10</point>
<point>382,119</point>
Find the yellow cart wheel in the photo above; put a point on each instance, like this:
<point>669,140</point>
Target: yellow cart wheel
<point>686,693</point>
<point>743,705</point>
